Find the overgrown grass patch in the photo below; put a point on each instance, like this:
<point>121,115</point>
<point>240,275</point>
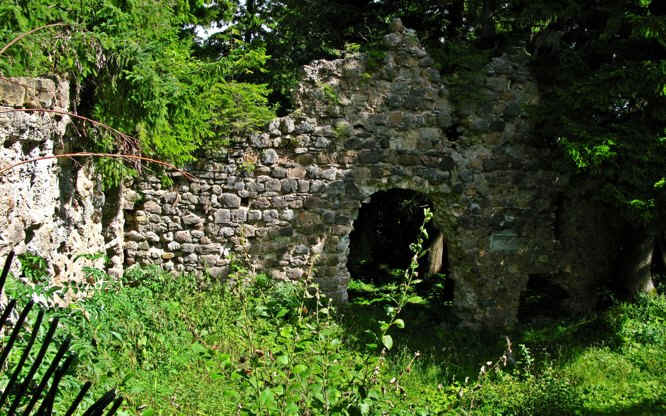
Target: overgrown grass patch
<point>182,345</point>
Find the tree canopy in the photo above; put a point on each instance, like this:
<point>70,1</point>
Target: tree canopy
<point>602,72</point>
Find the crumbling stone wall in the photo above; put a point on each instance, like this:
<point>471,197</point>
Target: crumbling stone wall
<point>50,207</point>
<point>286,199</point>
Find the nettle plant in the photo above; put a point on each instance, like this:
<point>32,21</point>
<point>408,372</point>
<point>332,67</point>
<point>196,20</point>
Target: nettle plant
<point>307,364</point>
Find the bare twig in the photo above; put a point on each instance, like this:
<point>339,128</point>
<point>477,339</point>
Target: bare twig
<point>110,155</point>
<point>22,35</point>
<point>129,141</point>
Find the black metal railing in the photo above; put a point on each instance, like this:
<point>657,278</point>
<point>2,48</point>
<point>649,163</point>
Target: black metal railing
<point>23,395</point>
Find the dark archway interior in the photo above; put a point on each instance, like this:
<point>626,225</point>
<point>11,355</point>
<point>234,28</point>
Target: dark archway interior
<point>541,299</point>
<point>379,244</point>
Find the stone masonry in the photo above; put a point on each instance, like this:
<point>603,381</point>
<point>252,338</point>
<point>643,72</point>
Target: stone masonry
<point>286,199</point>
<point>51,207</point>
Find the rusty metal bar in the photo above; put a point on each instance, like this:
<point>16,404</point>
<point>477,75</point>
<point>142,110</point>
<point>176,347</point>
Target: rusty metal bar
<point>22,391</point>
<point>24,357</point>
<point>78,399</point>
<point>14,335</point>
<point>35,366</point>
<point>5,269</point>
<point>42,385</point>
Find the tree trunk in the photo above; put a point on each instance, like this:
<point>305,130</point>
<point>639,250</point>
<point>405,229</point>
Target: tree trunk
<point>487,35</point>
<point>436,255</point>
<point>637,273</point>
<point>456,15</point>
<point>250,30</point>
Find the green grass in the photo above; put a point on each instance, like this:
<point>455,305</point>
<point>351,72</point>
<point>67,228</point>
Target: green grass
<point>181,345</point>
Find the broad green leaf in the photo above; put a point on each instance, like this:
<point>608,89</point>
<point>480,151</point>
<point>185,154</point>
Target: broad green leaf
<point>282,360</point>
<point>300,369</point>
<point>291,409</point>
<point>387,340</point>
<point>282,312</point>
<point>267,398</point>
<point>230,395</point>
<point>198,348</point>
<point>225,359</point>
<point>415,299</point>
<point>399,323</point>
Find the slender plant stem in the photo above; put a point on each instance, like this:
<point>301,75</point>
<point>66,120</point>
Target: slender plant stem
<point>128,140</point>
<point>22,35</point>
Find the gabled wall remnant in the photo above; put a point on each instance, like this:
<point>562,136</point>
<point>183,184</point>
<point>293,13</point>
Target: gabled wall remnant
<point>50,207</point>
<point>287,198</point>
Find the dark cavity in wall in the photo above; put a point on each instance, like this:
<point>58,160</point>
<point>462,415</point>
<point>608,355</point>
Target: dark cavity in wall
<point>30,233</point>
<point>112,205</point>
<point>542,299</point>
<point>379,244</point>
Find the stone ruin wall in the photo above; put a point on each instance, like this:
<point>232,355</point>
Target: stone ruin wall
<point>286,199</point>
<point>52,207</point>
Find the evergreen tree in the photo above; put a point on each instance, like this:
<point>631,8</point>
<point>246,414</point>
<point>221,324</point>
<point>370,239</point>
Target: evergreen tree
<point>133,64</point>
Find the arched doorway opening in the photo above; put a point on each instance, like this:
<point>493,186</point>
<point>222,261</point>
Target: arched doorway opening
<point>542,299</point>
<point>379,246</point>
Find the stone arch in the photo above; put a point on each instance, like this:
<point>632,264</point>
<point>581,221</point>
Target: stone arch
<point>384,226</point>
<point>352,208</point>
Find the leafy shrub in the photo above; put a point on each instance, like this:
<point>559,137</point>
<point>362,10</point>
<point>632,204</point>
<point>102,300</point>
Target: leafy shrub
<point>642,322</point>
<point>251,345</point>
<point>33,267</point>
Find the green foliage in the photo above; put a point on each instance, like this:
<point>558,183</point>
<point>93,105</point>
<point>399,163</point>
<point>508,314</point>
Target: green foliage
<point>374,59</point>
<point>188,345</point>
<point>600,69</point>
<point>342,130</point>
<point>523,390</point>
<point>464,62</point>
<point>601,75</point>
<point>629,374</point>
<point>134,67</point>
<point>247,167</point>
<point>295,32</point>
<point>330,94</point>
<point>33,267</point>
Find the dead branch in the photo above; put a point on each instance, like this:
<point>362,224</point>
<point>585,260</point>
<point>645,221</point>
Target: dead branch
<point>110,155</point>
<point>129,142</point>
<point>22,35</point>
